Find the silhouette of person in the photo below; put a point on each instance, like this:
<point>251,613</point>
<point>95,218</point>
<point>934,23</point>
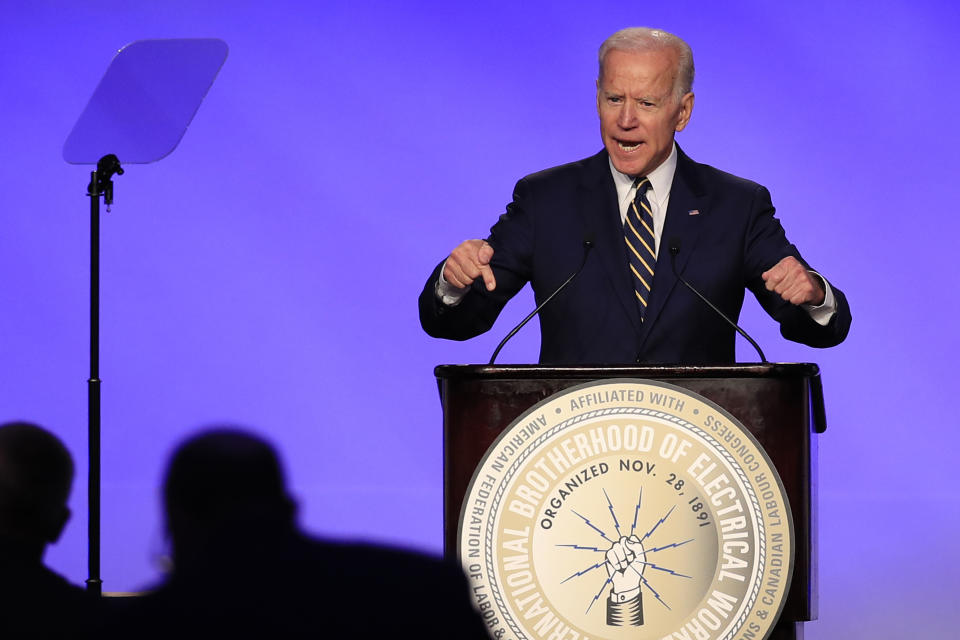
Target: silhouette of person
<point>242,569</point>
<point>36,472</point>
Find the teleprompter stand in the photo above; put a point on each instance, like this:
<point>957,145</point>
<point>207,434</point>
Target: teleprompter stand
<point>101,184</point>
<point>139,112</point>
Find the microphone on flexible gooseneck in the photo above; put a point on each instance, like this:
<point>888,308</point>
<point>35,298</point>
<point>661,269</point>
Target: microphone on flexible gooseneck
<point>587,245</point>
<point>674,250</point>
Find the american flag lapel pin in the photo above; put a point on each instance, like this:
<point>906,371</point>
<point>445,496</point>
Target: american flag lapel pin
<point>693,212</point>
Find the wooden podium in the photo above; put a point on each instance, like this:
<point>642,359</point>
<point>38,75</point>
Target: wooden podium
<point>780,404</point>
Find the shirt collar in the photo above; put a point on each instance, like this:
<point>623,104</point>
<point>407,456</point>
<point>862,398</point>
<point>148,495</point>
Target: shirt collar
<point>660,178</point>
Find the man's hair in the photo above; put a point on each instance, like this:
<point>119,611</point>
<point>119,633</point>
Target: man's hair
<point>223,473</point>
<point>646,39</point>
<point>36,472</point>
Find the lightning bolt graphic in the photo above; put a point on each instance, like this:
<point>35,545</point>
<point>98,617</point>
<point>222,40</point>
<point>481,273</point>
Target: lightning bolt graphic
<point>670,571</point>
<point>582,548</point>
<point>636,512</point>
<point>592,526</point>
<point>659,522</point>
<point>633,528</point>
<point>616,523</point>
<point>655,594</point>
<point>580,573</point>
<point>668,546</point>
<point>600,593</point>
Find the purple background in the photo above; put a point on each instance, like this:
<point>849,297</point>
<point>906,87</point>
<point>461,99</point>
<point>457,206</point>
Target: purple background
<point>267,271</point>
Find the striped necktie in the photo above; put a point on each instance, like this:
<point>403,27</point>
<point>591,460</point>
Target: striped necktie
<point>638,231</point>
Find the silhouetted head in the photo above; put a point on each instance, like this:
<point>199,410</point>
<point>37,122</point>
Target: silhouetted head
<point>222,482</point>
<point>36,472</point>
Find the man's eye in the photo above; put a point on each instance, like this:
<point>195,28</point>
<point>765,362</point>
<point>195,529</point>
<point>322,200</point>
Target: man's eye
<point>614,99</point>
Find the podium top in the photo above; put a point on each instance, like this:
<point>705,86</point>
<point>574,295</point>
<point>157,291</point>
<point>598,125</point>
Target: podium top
<point>575,372</point>
<point>456,374</point>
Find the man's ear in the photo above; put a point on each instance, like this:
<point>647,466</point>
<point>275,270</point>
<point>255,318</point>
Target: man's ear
<point>686,110</point>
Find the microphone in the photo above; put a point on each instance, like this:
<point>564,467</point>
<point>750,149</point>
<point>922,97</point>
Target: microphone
<point>674,250</point>
<point>587,245</point>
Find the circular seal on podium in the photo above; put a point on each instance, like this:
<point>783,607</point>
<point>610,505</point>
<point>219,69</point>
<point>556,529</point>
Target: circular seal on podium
<point>627,509</point>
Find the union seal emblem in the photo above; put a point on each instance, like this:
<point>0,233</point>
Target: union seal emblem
<point>627,509</point>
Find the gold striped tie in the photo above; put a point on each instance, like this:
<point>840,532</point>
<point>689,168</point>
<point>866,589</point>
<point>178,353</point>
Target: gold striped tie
<point>638,232</point>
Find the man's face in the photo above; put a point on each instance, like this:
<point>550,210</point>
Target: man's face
<point>639,112</point>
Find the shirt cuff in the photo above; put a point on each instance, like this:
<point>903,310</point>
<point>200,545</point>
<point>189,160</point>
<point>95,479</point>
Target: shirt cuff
<point>824,312</point>
<point>449,295</point>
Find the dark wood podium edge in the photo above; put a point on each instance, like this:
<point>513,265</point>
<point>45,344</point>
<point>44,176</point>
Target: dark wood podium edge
<point>653,372</point>
<point>576,371</point>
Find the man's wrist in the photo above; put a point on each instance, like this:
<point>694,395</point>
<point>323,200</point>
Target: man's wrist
<point>447,293</point>
<point>823,312</point>
<point>623,596</point>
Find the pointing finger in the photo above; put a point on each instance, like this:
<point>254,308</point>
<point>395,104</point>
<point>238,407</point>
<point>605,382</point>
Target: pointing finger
<point>483,257</point>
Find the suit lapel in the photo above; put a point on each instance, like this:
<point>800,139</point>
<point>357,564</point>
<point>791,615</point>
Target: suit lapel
<point>604,220</point>
<point>685,212</point>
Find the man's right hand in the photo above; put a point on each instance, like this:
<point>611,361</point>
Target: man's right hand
<point>469,261</point>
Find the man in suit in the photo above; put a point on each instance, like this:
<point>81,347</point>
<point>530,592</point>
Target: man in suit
<point>641,203</point>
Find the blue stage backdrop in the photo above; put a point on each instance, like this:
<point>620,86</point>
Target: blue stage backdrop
<point>266,272</point>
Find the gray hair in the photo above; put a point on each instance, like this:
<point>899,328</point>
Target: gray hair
<point>645,39</point>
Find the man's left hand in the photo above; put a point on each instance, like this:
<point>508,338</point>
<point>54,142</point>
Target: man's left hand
<point>793,282</point>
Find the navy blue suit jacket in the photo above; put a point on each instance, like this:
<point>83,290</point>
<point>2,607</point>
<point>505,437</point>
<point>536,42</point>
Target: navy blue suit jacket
<point>727,236</point>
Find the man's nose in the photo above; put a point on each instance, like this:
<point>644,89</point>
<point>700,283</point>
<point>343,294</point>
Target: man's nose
<point>628,115</point>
